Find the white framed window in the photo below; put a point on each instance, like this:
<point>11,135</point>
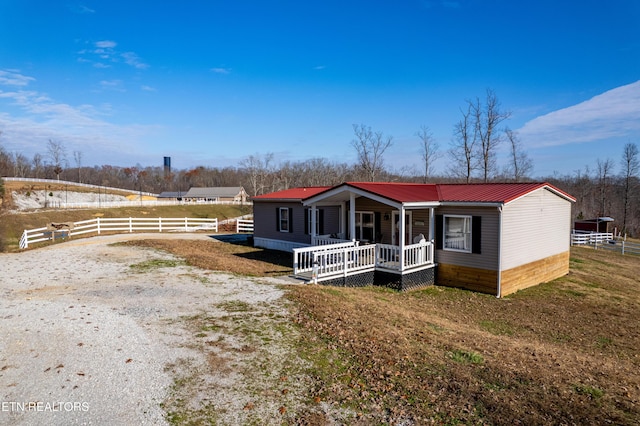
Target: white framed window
<point>365,226</point>
<point>284,219</point>
<point>457,233</point>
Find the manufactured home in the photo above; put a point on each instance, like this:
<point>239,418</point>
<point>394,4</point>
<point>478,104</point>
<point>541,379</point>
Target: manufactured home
<point>494,238</point>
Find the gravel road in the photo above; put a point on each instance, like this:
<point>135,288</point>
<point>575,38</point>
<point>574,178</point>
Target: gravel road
<point>87,338</point>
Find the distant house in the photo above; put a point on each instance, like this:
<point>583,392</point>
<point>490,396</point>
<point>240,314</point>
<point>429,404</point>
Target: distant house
<point>228,194</point>
<point>492,238</point>
<point>168,195</point>
<point>599,224</point>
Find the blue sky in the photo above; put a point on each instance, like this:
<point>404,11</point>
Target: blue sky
<point>212,82</point>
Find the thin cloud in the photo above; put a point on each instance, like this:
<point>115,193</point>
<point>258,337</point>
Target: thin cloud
<point>148,88</point>
<point>36,118</point>
<point>132,59</point>
<point>106,44</point>
<point>103,54</point>
<point>319,67</point>
<point>221,70</point>
<point>615,113</point>
<point>14,78</point>
<point>81,9</point>
<point>112,85</point>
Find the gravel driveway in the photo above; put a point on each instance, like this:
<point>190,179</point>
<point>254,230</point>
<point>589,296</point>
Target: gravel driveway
<point>93,333</point>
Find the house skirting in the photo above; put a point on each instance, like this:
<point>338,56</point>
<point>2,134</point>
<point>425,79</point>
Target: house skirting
<point>281,245</point>
<point>407,281</point>
<point>480,280</point>
<point>512,280</point>
<point>401,282</point>
<point>534,273</point>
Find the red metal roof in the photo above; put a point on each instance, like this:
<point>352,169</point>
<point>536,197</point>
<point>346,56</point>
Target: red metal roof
<point>491,192</point>
<point>400,192</point>
<point>293,193</point>
<point>428,192</point>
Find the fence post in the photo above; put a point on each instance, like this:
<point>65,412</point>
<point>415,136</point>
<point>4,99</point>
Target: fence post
<point>98,218</point>
<point>24,239</point>
<point>159,224</point>
<point>130,225</point>
<point>186,224</point>
<point>623,247</point>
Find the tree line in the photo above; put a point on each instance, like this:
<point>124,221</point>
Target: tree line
<point>471,154</point>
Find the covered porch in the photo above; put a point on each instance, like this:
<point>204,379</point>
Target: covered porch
<point>380,240</point>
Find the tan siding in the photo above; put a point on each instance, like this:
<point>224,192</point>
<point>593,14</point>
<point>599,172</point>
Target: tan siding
<point>534,227</point>
<point>365,204</point>
<point>488,258</point>
<point>481,280</point>
<point>534,273</point>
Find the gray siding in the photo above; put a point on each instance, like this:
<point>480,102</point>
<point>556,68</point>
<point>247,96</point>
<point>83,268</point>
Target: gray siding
<point>265,223</point>
<point>534,227</point>
<point>488,258</point>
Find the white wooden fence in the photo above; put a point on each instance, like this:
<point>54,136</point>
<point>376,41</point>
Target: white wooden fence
<point>604,240</point>
<point>118,225</point>
<point>244,225</point>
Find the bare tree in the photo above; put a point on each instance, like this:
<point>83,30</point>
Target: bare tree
<point>38,165</point>
<point>605,170</point>
<point>20,165</point>
<point>258,170</point>
<point>429,150</point>
<point>77,156</point>
<point>57,155</point>
<point>520,165</point>
<point>370,147</point>
<point>487,118</point>
<point>630,168</point>
<point>462,150</point>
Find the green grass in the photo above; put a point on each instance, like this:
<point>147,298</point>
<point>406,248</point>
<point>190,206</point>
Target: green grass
<point>466,357</point>
<point>497,327</point>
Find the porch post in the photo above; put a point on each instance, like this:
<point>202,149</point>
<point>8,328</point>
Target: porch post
<point>352,216</point>
<point>432,224</point>
<point>313,224</point>
<point>401,237</point>
<point>343,219</point>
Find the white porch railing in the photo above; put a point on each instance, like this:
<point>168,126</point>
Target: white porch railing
<point>322,240</point>
<point>324,258</point>
<point>415,255</point>
<point>342,259</point>
<point>131,224</point>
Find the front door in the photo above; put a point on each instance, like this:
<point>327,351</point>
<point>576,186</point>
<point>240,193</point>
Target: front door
<point>395,228</point>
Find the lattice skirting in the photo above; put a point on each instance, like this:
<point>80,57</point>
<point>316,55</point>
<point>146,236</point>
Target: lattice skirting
<point>410,281</point>
<point>358,280</point>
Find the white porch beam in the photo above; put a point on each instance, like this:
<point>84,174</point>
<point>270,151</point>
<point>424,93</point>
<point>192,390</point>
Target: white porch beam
<point>432,224</point>
<point>343,219</point>
<point>401,237</point>
<point>352,216</point>
<point>313,223</point>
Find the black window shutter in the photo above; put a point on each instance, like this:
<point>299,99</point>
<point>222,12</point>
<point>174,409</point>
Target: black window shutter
<point>290,219</point>
<point>306,221</point>
<point>277,218</point>
<point>321,220</point>
<point>476,235</point>
<point>439,231</point>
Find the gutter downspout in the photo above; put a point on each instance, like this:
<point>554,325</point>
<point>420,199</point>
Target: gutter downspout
<point>499,295</point>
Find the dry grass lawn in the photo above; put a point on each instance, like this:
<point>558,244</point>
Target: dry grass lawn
<point>564,352</point>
